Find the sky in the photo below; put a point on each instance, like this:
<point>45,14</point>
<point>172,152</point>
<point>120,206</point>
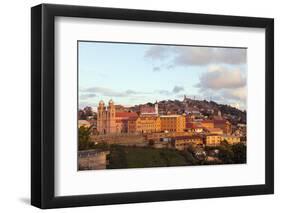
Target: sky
<point>131,73</point>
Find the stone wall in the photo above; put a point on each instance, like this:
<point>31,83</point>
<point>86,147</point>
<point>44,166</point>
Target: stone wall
<point>92,159</point>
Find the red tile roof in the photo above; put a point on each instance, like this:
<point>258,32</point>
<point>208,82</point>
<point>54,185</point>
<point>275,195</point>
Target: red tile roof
<point>193,125</point>
<point>219,121</point>
<point>126,115</point>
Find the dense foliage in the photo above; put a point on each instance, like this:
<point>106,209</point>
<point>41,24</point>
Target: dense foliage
<point>84,138</point>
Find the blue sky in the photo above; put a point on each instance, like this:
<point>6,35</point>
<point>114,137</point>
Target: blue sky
<point>138,73</point>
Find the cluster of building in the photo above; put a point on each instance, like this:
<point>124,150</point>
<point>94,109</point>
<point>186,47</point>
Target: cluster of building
<point>179,129</point>
<point>110,121</point>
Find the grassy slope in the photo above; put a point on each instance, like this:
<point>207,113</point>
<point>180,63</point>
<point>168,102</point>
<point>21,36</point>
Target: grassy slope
<point>132,157</point>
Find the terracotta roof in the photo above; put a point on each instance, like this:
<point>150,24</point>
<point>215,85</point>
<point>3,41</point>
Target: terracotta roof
<point>220,121</point>
<point>213,129</point>
<point>132,118</point>
<point>193,125</point>
<point>207,121</point>
<point>126,115</point>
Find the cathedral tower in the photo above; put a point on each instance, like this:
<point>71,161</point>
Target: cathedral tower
<point>110,118</point>
<point>101,118</point>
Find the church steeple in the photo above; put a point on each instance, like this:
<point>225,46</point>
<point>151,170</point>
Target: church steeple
<point>101,117</point>
<point>111,122</point>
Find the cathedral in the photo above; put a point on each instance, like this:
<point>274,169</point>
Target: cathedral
<point>106,122</point>
<point>109,121</point>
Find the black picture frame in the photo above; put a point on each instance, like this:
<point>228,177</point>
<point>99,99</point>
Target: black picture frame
<point>43,102</point>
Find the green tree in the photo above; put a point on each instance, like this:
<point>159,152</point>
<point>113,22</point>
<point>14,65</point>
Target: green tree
<point>88,111</point>
<point>240,153</point>
<point>117,158</point>
<point>84,138</point>
<point>226,154</point>
<point>225,143</point>
<point>190,159</point>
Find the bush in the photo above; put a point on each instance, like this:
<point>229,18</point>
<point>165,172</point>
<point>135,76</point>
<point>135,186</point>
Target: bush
<point>84,138</point>
<point>240,153</point>
<point>226,155</point>
<point>190,159</point>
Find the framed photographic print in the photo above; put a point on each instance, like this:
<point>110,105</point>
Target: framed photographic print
<point>139,106</point>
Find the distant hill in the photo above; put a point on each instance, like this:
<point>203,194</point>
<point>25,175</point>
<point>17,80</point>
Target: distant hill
<point>187,105</point>
<point>207,108</point>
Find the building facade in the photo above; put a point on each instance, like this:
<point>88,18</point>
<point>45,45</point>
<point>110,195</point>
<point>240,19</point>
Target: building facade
<point>182,142</point>
<point>173,123</point>
<point>215,139</point>
<point>144,124</point>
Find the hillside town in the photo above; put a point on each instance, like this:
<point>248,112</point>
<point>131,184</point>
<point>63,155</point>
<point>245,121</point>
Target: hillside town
<point>199,130</point>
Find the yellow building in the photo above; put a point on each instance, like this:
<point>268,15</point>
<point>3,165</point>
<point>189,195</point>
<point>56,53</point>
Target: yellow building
<point>144,124</point>
<point>215,140</point>
<point>183,142</point>
<point>172,123</point>
<point>150,124</point>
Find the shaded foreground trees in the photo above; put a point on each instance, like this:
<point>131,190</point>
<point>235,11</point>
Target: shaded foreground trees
<point>240,153</point>
<point>231,154</point>
<point>84,138</point>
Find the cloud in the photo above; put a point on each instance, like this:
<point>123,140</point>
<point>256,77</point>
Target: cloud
<point>224,85</point>
<point>209,55</point>
<point>234,97</point>
<point>196,55</point>
<point>86,96</point>
<point>93,91</point>
<point>174,91</point>
<point>156,69</point>
<point>178,89</point>
<point>109,92</point>
<point>239,94</point>
<point>130,92</point>
<point>157,52</point>
<point>164,92</point>
<point>220,78</point>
